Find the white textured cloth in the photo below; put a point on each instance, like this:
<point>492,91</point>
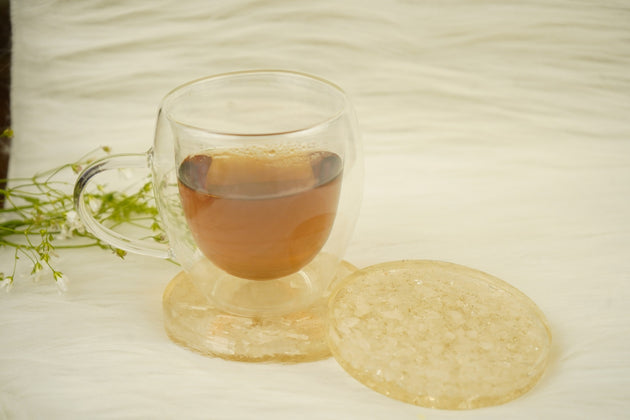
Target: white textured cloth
<point>497,135</point>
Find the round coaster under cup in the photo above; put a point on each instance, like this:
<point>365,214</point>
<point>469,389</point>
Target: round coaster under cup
<point>437,334</point>
<point>193,321</point>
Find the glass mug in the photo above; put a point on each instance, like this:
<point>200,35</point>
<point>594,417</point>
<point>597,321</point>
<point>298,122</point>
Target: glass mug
<point>257,177</point>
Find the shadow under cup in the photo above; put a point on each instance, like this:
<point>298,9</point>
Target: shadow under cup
<point>258,181</point>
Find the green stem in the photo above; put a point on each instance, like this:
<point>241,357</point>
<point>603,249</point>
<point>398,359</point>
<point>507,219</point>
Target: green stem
<point>16,258</point>
<point>39,206</point>
<point>78,246</point>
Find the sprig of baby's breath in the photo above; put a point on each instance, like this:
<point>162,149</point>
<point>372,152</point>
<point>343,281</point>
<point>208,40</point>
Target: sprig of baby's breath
<point>38,217</point>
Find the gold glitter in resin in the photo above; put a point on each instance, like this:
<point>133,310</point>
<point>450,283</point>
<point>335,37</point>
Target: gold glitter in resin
<point>437,334</point>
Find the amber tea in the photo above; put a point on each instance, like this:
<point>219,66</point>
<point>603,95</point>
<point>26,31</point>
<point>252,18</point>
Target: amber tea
<point>260,216</point>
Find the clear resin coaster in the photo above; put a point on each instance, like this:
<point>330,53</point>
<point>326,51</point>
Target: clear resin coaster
<point>437,334</point>
<point>193,321</point>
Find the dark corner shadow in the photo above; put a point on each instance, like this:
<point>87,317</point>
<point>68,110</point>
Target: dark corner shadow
<point>5,89</point>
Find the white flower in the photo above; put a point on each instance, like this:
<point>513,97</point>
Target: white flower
<point>62,283</point>
<point>73,223</point>
<point>6,284</point>
<point>126,173</point>
<point>36,273</point>
<point>94,204</point>
<point>36,277</point>
<point>64,232</point>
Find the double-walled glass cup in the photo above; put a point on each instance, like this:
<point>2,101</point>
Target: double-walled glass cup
<point>257,177</point>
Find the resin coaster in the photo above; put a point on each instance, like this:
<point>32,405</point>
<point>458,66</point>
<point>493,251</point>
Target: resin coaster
<point>192,321</point>
<point>437,334</point>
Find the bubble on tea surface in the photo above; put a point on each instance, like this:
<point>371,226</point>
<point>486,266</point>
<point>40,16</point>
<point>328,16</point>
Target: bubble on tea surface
<point>437,334</point>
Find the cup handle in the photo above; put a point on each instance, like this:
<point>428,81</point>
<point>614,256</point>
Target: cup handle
<point>122,161</point>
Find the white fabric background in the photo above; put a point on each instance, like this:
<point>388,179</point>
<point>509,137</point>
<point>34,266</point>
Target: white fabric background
<point>497,135</point>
